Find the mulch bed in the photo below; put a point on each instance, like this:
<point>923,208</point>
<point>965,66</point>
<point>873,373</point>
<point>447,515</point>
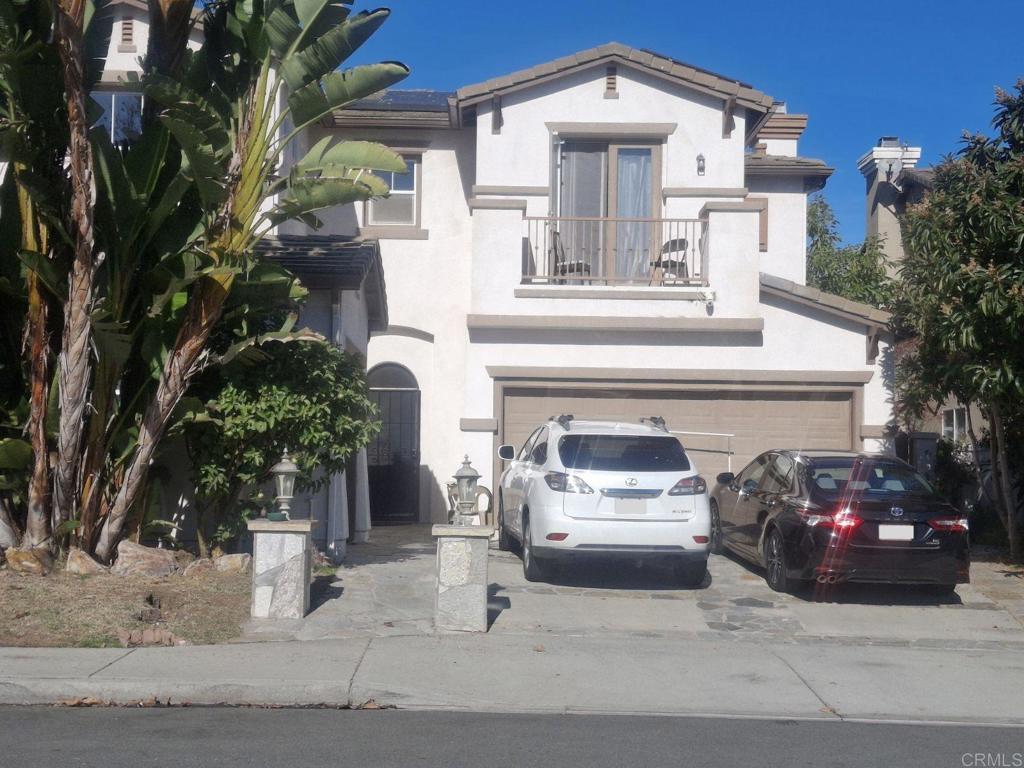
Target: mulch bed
<point>67,610</point>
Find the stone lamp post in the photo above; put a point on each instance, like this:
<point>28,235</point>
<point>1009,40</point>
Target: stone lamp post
<point>460,601</point>
<point>466,478</point>
<point>284,472</point>
<point>282,553</point>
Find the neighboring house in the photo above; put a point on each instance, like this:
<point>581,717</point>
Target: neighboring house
<point>894,182</point>
<point>613,234</point>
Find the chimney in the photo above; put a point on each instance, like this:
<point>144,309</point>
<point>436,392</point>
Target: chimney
<point>882,166</point>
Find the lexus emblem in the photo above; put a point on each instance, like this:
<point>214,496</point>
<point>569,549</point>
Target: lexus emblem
<point>631,482</point>
<point>896,511</point>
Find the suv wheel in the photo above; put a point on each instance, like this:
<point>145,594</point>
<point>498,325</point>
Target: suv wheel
<point>532,568</point>
<point>691,575</point>
<point>504,540</point>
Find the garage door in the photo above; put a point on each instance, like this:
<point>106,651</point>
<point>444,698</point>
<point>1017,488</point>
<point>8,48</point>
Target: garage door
<point>760,420</point>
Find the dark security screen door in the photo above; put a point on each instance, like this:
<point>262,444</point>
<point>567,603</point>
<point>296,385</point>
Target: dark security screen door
<point>394,455</point>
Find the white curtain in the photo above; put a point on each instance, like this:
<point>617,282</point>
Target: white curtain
<point>633,201</point>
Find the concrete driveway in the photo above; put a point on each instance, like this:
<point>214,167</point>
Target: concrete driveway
<point>386,588</point>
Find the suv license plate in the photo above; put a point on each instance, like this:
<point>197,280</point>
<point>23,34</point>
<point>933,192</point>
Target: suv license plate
<point>630,506</point>
<point>895,532</point>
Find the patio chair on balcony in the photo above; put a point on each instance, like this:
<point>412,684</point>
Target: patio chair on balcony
<point>670,265</point>
<point>564,266</point>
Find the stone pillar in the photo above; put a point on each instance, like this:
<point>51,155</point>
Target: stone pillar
<point>282,568</point>
<point>362,533</point>
<point>460,602</point>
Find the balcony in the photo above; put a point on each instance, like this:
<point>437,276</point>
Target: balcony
<point>574,250</point>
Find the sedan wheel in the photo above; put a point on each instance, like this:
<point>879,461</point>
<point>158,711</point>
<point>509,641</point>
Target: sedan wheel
<point>532,569</point>
<point>715,545</point>
<point>775,562</point>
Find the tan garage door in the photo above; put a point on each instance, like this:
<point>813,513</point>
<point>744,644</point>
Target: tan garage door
<point>760,420</point>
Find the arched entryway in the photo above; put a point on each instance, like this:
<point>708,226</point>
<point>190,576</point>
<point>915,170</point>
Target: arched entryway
<point>394,455</point>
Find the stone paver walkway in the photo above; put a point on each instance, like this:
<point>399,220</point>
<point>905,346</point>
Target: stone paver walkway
<point>386,588</point>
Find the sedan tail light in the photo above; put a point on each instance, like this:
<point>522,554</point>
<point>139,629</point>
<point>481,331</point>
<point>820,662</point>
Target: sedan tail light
<point>842,520</point>
<point>689,486</point>
<point>949,524</point>
<point>563,483</point>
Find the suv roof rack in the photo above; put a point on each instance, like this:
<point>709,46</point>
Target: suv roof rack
<point>658,422</point>
<point>565,420</point>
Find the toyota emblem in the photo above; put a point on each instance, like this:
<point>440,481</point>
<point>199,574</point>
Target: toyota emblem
<point>896,511</point>
<point>631,482</point>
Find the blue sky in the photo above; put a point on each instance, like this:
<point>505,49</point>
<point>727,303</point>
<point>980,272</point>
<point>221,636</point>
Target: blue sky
<point>924,71</point>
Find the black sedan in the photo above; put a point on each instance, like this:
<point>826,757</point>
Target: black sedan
<point>831,516</point>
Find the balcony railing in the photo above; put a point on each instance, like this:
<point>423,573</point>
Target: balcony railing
<point>575,250</point>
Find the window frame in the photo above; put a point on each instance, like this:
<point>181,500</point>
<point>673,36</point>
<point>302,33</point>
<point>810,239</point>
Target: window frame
<point>958,427</point>
<point>401,231</point>
<point>114,93</point>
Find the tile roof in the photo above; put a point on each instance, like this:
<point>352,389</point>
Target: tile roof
<point>780,164</point>
<point>664,66</point>
<point>828,302</point>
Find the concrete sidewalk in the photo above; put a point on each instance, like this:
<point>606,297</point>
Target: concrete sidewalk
<point>542,673</point>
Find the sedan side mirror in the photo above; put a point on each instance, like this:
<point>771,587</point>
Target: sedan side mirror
<point>506,452</point>
<point>725,478</point>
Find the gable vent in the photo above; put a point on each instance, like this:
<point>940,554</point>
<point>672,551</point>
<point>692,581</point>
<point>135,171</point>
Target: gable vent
<point>611,83</point>
<point>127,30</point>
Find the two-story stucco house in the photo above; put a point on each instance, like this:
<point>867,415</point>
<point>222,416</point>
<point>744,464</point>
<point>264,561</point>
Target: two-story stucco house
<point>613,234</point>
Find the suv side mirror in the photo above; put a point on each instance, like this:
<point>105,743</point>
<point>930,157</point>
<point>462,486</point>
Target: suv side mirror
<point>725,478</point>
<point>506,452</point>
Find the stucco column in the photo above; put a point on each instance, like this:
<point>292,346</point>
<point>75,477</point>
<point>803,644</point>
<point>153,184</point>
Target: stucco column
<point>337,518</point>
<point>362,532</point>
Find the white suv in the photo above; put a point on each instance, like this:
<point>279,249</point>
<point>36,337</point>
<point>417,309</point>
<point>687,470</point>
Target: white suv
<point>606,488</point>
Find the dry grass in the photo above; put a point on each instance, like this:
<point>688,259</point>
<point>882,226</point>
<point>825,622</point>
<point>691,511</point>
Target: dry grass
<point>63,609</point>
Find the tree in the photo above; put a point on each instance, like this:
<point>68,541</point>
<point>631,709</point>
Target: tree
<point>149,244</point>
<point>856,272</point>
<point>961,293</point>
<point>307,396</point>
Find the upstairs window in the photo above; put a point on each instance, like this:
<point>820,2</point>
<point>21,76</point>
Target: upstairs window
<point>122,114</point>
<point>401,208</point>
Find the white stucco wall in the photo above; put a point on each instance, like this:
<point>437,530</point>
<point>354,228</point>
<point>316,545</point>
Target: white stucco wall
<point>521,153</point>
<point>787,225</point>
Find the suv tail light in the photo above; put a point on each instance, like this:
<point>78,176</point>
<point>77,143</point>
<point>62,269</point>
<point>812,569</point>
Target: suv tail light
<point>563,483</point>
<point>842,520</point>
<point>689,486</point>
<point>949,524</point>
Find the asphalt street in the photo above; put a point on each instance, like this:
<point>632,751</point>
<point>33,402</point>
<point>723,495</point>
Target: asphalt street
<point>187,737</point>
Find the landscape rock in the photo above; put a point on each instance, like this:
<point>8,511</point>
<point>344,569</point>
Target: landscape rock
<point>198,568</point>
<point>80,563</point>
<point>183,558</point>
<point>233,563</point>
<point>38,562</point>
<point>136,560</point>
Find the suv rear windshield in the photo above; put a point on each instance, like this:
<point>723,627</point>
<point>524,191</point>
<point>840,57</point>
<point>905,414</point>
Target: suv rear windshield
<point>844,476</point>
<point>623,453</point>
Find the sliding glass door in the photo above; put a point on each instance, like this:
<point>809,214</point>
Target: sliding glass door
<point>608,196</point>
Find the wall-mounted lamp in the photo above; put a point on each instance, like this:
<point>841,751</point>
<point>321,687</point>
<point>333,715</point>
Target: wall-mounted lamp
<point>700,165</point>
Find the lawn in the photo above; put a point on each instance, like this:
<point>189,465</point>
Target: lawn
<point>63,609</point>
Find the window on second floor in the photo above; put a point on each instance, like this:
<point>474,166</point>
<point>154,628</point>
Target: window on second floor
<point>122,114</point>
<point>402,207</point>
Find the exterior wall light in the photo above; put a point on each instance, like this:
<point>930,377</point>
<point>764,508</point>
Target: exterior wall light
<point>466,478</point>
<point>284,472</point>
<point>701,166</point>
